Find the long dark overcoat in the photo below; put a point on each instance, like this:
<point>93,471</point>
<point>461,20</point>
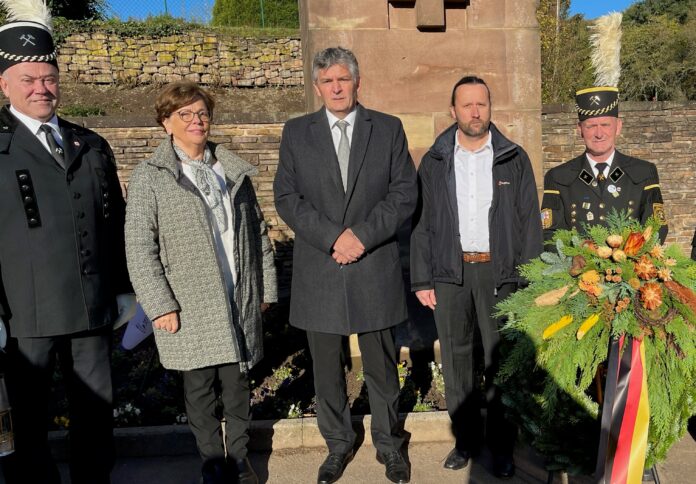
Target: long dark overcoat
<point>367,295</point>
<point>62,256</point>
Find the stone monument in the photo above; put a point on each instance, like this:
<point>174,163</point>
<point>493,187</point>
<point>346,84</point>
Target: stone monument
<point>411,53</point>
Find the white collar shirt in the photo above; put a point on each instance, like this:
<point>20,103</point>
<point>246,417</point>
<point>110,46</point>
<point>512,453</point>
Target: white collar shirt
<point>593,164</point>
<point>474,182</point>
<point>34,125</point>
<point>336,132</point>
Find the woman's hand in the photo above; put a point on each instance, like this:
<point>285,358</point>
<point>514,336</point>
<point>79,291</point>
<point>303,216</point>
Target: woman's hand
<point>264,307</point>
<point>168,322</point>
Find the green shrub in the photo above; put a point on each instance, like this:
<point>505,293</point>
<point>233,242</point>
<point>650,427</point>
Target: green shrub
<point>256,13</point>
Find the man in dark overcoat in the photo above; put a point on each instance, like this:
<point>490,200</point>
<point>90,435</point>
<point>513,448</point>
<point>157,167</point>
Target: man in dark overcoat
<point>585,189</point>
<point>345,184</point>
<point>63,278</point>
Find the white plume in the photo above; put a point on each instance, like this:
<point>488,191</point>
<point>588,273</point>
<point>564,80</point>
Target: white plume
<point>29,10</point>
<point>606,49</point>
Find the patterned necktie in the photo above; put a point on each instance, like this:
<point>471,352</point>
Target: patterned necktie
<point>56,151</point>
<point>601,179</point>
<point>343,152</point>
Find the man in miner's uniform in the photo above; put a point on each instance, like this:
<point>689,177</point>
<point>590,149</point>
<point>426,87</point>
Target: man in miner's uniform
<point>586,188</point>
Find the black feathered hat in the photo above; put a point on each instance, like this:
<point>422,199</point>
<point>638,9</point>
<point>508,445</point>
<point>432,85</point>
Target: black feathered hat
<point>27,37</point>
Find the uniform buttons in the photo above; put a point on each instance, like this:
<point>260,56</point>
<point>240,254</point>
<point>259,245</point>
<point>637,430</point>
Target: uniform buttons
<point>76,195</point>
<point>33,222</point>
<point>630,203</point>
<point>573,205</point>
<point>573,213</point>
<point>106,195</point>
<point>30,211</point>
<point>85,252</point>
<point>106,204</point>
<point>601,205</point>
<point>28,200</point>
<point>25,188</point>
<point>70,177</point>
<point>601,217</point>
<point>84,272</point>
<point>23,177</point>
<point>572,220</point>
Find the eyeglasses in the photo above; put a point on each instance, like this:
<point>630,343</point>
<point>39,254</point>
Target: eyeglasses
<point>187,116</point>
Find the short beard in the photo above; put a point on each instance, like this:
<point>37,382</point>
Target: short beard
<point>475,133</point>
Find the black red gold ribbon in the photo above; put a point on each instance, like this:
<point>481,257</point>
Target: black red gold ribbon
<point>625,414</point>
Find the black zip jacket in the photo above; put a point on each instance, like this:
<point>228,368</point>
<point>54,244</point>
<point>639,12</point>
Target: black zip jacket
<point>514,222</point>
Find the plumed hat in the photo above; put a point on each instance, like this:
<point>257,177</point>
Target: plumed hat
<point>26,37</point>
<point>603,100</point>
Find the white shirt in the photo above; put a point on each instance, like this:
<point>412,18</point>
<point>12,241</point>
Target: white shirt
<point>473,171</point>
<point>34,126</point>
<point>336,132</point>
<point>593,164</point>
<point>224,242</point>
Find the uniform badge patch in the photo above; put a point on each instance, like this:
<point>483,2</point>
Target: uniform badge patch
<point>546,218</point>
<point>659,213</point>
<point>616,174</point>
<point>586,177</point>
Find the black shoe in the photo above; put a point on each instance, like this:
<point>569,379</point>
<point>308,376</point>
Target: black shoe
<point>457,459</point>
<point>214,471</point>
<point>245,473</point>
<point>648,475</point>
<point>332,467</point>
<point>396,467</point>
<point>503,466</point>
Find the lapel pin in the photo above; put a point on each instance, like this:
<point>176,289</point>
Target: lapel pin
<point>76,143</point>
<point>611,188</point>
<point>590,216</point>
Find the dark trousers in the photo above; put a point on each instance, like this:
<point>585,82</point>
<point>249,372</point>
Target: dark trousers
<point>379,360</point>
<point>85,360</point>
<point>459,309</point>
<point>201,389</point>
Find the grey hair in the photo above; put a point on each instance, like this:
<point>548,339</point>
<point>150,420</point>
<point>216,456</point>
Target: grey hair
<point>332,56</point>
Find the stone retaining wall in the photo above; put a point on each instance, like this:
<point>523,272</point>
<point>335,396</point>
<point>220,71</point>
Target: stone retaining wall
<point>206,57</point>
<point>664,133</point>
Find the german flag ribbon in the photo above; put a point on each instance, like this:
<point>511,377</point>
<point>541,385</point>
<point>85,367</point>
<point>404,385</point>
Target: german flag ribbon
<point>625,414</point>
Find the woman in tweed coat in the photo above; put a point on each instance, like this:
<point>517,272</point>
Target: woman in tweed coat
<point>202,267</point>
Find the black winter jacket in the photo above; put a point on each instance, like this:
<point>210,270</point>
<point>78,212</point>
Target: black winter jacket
<point>514,221</point>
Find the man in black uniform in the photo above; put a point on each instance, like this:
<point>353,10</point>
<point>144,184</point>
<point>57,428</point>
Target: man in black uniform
<point>586,188</point>
<point>63,278</point>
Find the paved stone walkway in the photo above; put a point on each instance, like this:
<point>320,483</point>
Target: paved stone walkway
<point>299,466</point>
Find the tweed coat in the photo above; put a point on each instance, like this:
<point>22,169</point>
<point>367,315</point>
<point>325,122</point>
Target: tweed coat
<point>381,195</point>
<point>174,263</point>
<point>62,257</point>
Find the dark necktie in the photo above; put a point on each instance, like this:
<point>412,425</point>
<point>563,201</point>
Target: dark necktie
<point>601,179</point>
<point>56,151</point>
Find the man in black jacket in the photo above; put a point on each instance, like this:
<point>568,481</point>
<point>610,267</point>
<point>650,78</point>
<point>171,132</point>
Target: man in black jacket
<point>478,222</point>
<point>63,275</point>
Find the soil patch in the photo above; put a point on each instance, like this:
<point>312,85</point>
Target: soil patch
<point>108,100</point>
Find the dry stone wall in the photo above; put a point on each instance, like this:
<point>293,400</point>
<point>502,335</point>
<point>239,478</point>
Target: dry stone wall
<point>208,58</point>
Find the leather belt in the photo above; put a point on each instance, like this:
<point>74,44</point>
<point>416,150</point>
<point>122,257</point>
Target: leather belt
<point>476,257</point>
